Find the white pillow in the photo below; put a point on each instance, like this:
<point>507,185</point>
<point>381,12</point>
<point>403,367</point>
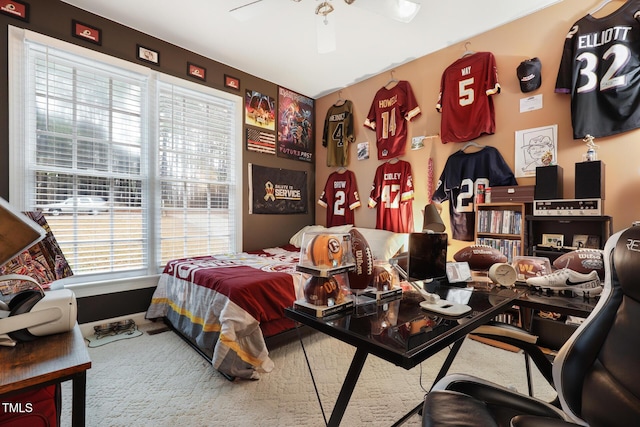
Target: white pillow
<point>384,244</point>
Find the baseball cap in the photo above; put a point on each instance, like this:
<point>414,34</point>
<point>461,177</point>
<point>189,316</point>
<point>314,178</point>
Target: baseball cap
<point>529,74</point>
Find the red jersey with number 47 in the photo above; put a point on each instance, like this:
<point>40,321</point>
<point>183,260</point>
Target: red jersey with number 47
<point>340,197</point>
<point>465,98</point>
<point>388,116</point>
<point>392,194</point>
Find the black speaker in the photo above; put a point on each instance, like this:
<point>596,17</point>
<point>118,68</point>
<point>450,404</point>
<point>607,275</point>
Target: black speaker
<point>548,183</point>
<point>590,180</point>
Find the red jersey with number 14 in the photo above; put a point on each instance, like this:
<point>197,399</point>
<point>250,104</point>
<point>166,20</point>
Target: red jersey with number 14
<point>388,116</point>
<point>465,98</point>
<point>392,194</point>
<point>340,197</point>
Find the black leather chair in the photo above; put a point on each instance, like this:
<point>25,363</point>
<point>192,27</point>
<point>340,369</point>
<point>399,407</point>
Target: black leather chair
<point>596,373</point>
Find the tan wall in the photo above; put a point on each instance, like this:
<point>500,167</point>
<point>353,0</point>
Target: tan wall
<point>541,34</point>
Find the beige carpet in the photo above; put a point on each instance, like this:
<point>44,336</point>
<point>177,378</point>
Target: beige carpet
<point>157,380</point>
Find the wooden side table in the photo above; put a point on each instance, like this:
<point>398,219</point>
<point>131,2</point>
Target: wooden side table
<point>48,360</point>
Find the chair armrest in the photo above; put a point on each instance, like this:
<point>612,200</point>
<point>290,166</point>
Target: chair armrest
<point>534,421</point>
<point>498,329</point>
<point>518,337</point>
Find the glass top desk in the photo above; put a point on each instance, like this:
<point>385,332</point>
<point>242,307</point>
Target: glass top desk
<point>401,332</point>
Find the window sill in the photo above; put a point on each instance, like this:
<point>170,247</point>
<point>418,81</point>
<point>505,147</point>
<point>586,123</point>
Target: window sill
<point>90,289</point>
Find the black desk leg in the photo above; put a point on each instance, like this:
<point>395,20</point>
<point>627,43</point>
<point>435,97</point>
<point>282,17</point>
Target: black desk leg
<point>441,373</point>
<point>78,404</point>
<point>348,386</point>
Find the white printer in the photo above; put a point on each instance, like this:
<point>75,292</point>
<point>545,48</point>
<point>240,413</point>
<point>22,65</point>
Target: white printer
<point>30,312</point>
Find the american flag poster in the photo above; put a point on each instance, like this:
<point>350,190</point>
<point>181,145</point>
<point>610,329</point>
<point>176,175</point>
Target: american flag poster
<point>263,142</point>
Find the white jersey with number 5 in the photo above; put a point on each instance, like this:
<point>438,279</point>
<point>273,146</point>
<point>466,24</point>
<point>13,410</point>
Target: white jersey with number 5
<point>600,68</point>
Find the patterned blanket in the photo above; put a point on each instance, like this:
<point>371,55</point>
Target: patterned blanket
<point>227,302</point>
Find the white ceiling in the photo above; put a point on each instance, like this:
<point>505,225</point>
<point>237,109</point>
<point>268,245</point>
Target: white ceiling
<point>279,45</point>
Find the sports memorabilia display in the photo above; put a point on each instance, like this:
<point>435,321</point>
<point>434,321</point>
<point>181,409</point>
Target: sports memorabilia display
<point>392,195</point>
<point>600,68</point>
<point>323,291</point>
<point>337,133</point>
<point>479,257</point>
<point>582,260</point>
<point>325,250</point>
<point>340,198</point>
<point>529,74</point>
<point>465,100</point>
<point>388,116</point>
<point>363,274</point>
<point>463,174</point>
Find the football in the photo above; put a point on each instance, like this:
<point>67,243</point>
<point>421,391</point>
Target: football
<point>582,260</point>
<point>526,268</point>
<point>479,257</point>
<point>325,250</point>
<point>322,291</point>
<point>362,276</point>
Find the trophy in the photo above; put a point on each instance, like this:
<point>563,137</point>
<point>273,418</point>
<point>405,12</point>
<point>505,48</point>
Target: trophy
<point>591,154</point>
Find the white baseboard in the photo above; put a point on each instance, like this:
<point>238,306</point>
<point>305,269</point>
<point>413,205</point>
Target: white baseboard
<point>87,328</point>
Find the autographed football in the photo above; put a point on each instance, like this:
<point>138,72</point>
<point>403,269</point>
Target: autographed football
<point>479,257</point>
<point>325,250</point>
<point>530,267</point>
<point>582,260</point>
<point>322,291</point>
<point>362,276</point>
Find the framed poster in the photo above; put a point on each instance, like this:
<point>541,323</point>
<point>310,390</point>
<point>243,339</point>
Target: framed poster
<point>295,126</point>
<point>196,71</point>
<point>535,147</point>
<point>231,82</point>
<point>15,9</point>
<point>148,55</point>
<point>259,110</point>
<point>86,32</point>
<point>556,240</point>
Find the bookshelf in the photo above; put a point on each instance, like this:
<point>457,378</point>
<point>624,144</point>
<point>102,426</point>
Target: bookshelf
<point>502,226</point>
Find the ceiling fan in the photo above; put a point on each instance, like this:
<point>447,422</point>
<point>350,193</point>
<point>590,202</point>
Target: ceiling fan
<point>399,10</point>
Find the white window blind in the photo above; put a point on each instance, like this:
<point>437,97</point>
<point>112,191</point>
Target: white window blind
<point>197,172</point>
<point>130,168</point>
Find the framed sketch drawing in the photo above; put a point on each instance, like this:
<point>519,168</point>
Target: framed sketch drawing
<point>535,147</point>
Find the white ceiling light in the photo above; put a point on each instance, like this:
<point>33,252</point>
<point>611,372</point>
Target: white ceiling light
<point>400,10</point>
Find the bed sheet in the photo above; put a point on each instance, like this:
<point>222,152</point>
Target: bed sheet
<point>221,301</point>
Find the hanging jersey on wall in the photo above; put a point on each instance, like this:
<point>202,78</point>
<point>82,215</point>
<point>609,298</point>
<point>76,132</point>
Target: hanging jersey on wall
<point>466,100</point>
<point>600,68</point>
<point>340,197</point>
<point>338,133</point>
<point>392,195</point>
<point>389,115</point>
<point>459,182</point>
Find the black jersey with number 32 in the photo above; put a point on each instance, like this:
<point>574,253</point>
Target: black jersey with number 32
<point>600,68</point>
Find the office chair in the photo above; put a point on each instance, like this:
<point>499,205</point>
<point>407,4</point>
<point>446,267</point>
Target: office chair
<point>595,373</point>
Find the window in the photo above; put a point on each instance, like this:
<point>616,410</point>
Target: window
<point>131,167</point>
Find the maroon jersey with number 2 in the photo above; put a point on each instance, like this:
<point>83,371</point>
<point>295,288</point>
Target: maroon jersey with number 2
<point>340,197</point>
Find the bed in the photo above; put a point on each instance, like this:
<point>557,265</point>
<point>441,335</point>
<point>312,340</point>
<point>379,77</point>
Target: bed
<point>228,307</point>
